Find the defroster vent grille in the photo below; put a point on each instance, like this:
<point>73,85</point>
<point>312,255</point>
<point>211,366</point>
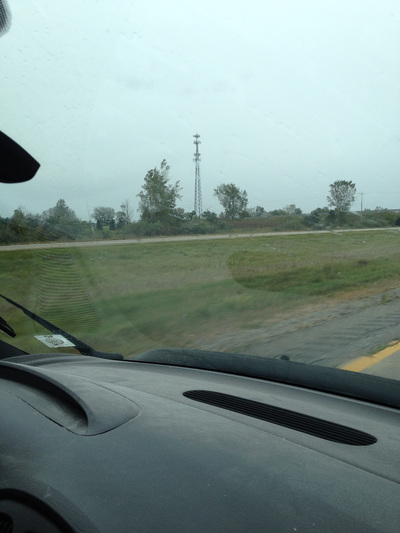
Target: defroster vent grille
<point>284,417</point>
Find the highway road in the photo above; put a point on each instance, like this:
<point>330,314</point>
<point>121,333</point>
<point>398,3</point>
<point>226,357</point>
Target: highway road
<point>106,242</point>
<point>385,363</point>
<point>332,336</point>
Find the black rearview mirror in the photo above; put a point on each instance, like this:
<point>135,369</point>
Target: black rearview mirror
<point>16,165</point>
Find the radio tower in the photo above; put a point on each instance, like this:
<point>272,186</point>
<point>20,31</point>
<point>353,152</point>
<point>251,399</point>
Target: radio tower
<point>197,187</point>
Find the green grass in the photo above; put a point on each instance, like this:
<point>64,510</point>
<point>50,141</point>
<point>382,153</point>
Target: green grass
<point>252,271</point>
<point>143,296</point>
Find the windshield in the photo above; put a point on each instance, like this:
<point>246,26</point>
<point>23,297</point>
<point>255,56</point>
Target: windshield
<point>213,175</point>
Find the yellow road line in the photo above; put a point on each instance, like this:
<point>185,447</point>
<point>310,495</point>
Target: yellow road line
<point>360,364</point>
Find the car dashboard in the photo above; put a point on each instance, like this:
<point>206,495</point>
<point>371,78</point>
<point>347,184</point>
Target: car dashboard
<point>95,445</point>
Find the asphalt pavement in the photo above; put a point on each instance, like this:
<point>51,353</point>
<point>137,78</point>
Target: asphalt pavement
<point>331,337</point>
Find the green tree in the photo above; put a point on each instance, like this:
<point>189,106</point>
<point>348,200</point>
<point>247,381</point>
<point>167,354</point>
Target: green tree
<point>19,223</point>
<point>59,214</point>
<point>158,197</point>
<point>257,211</point>
<point>103,215</point>
<point>342,194</point>
<point>317,217</point>
<point>292,210</point>
<point>232,199</point>
<point>58,222</point>
<point>21,227</point>
<point>190,215</point>
<point>277,212</point>
<point>210,216</point>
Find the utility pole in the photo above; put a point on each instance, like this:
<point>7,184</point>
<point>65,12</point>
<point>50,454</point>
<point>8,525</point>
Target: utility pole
<point>362,194</point>
<point>197,185</point>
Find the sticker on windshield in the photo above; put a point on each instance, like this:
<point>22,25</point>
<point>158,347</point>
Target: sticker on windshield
<point>54,341</point>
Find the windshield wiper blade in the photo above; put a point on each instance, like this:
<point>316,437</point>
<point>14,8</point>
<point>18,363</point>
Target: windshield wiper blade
<point>6,328</point>
<point>81,346</point>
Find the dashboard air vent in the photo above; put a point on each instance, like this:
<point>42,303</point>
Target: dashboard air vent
<point>284,417</point>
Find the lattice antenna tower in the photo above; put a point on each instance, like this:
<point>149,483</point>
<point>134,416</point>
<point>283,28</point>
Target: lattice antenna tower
<point>197,185</point>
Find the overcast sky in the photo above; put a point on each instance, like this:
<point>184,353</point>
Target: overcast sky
<point>287,96</point>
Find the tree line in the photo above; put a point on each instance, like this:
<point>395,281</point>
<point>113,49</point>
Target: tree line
<point>160,215</point>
